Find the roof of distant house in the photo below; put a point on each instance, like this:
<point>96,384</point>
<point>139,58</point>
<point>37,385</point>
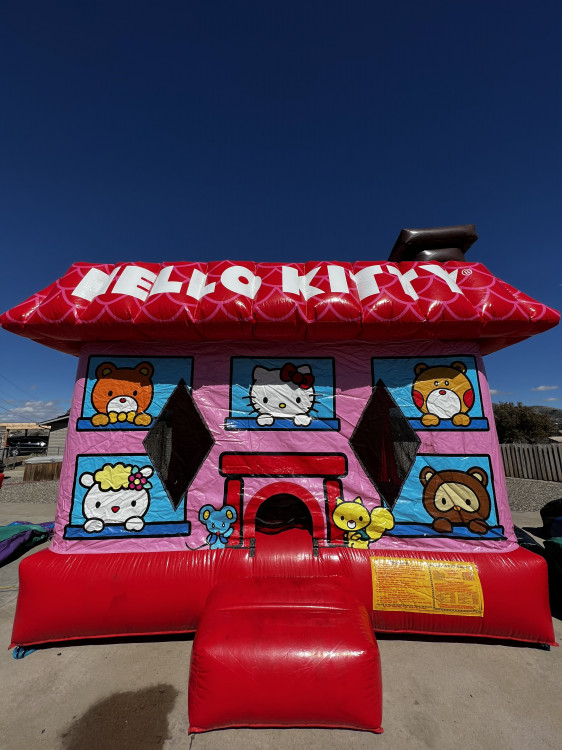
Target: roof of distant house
<point>54,420</point>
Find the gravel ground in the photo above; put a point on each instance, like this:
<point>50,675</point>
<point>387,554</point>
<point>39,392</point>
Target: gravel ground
<point>29,492</point>
<point>531,494</point>
<point>524,494</point>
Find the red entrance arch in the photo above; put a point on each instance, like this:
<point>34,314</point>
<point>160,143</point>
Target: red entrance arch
<point>328,467</point>
<point>284,488</point>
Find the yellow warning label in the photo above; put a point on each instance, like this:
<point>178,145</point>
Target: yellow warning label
<point>439,587</point>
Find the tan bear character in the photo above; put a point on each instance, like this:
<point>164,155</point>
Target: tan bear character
<point>122,394</point>
<point>456,498</point>
<point>443,392</point>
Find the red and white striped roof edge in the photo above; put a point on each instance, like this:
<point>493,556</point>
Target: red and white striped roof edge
<point>316,301</point>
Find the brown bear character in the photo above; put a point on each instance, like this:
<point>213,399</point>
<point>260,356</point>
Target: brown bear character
<point>456,498</point>
<point>122,394</point>
<point>443,392</point>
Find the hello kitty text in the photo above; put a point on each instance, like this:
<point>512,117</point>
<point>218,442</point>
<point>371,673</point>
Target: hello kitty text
<point>136,281</point>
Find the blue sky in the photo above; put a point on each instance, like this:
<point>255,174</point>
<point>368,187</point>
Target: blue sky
<point>276,131</point>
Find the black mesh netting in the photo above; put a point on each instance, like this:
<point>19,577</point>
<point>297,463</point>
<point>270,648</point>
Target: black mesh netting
<point>282,512</point>
<point>178,443</point>
<point>385,444</point>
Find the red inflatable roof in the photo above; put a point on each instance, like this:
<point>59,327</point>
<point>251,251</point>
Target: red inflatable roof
<point>318,301</point>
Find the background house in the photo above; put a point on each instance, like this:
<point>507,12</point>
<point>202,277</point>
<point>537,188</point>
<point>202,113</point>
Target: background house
<point>57,436</point>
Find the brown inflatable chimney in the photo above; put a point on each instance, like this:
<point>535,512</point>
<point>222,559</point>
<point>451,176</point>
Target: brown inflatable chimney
<point>438,244</point>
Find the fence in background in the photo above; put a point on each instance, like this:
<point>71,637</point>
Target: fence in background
<point>11,462</point>
<point>42,469</point>
<point>532,461</point>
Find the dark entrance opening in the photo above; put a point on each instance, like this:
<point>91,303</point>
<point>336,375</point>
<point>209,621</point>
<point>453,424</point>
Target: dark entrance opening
<point>283,512</point>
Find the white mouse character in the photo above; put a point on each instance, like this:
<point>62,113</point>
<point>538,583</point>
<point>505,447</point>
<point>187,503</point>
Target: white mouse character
<point>117,495</point>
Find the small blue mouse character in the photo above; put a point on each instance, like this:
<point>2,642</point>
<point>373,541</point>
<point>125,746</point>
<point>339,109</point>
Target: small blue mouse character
<point>218,523</point>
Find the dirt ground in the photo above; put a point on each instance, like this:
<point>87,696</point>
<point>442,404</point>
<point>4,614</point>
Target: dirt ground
<point>130,695</point>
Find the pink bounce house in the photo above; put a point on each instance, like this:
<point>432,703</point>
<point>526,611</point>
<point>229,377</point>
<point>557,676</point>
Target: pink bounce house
<point>285,458</point>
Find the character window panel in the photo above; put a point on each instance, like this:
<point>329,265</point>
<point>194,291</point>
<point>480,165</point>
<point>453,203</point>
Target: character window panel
<point>282,394</point>
<point>120,496</point>
<point>434,393</point>
<point>448,496</point>
<point>128,393</point>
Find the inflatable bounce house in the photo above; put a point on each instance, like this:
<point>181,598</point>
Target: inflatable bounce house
<point>285,458</point>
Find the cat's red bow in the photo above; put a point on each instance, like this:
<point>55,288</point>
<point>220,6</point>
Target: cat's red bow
<point>289,373</point>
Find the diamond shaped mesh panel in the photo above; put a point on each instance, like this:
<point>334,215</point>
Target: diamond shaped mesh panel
<point>178,442</point>
<point>385,444</point>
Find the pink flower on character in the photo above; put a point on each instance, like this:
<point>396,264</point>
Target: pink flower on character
<point>137,481</point>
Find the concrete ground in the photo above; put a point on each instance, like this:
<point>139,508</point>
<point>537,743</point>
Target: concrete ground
<point>133,695</point>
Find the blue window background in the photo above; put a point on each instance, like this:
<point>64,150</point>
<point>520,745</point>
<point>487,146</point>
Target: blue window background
<point>397,373</point>
<point>168,371</point>
<point>241,415</point>
<point>410,516</point>
<point>160,519</point>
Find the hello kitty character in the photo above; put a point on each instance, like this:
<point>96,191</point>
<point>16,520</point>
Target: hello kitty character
<point>286,393</point>
<point>117,495</point>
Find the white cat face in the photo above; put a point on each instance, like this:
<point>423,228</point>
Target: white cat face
<point>118,495</point>
<point>271,395</point>
<point>115,507</point>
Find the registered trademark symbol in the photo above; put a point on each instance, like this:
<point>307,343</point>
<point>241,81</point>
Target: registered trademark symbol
<point>466,271</point>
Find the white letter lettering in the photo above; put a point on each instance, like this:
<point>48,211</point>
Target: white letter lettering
<point>134,281</point>
<point>338,280</point>
<point>405,280</point>
<point>366,282</point>
<point>163,283</point>
<point>449,278</point>
<point>95,282</point>
<point>293,283</point>
<point>241,280</point>
<point>197,287</point>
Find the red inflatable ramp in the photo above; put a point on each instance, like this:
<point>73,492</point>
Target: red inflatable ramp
<point>285,652</point>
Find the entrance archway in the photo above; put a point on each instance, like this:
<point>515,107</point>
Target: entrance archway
<point>282,512</point>
<point>293,501</point>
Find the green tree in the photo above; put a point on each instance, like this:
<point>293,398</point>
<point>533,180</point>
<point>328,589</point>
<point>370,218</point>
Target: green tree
<point>517,423</point>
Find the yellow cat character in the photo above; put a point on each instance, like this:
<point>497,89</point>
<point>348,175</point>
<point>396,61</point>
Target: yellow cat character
<point>361,527</point>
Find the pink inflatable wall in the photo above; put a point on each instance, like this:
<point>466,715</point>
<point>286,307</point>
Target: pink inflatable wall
<point>307,451</point>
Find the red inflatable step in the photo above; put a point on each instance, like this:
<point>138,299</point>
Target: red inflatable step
<point>285,652</point>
